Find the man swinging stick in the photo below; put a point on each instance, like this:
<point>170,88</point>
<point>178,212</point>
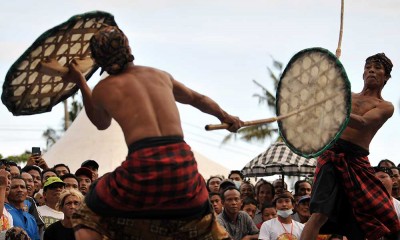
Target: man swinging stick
<point>347,198</point>
<point>157,193</point>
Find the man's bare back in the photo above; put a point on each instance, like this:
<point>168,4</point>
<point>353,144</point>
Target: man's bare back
<point>141,100</point>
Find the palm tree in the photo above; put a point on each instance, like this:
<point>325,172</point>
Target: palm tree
<point>262,131</point>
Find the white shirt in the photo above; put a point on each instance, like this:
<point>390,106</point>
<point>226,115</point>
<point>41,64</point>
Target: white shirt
<point>273,230</point>
<point>50,215</point>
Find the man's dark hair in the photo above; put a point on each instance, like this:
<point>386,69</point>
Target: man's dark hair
<point>69,175</point>
<point>213,194</point>
<point>208,181</point>
<point>49,170</point>
<point>236,172</point>
<point>382,59</point>
<point>386,161</point>
<point>267,205</point>
<point>263,182</point>
<point>297,185</point>
<point>248,201</point>
<point>32,167</point>
<point>61,165</point>
<point>227,189</point>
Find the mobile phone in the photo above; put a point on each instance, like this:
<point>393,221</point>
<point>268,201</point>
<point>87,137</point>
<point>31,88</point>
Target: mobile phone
<point>36,151</point>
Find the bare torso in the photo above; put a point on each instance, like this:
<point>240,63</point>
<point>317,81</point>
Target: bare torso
<point>141,100</point>
<point>375,110</point>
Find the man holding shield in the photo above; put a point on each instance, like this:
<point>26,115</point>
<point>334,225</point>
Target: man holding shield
<point>347,198</point>
<point>157,192</point>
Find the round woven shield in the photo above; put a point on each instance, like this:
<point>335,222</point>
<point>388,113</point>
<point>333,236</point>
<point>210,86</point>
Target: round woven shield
<point>34,82</point>
<point>315,84</point>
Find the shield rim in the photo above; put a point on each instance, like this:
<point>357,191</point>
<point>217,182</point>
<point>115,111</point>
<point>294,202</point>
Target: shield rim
<point>331,56</point>
<point>8,79</point>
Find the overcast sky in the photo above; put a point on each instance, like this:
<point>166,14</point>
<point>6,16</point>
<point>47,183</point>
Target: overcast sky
<point>216,48</point>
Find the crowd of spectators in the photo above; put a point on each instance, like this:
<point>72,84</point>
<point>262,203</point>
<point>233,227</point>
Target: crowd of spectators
<point>38,202</point>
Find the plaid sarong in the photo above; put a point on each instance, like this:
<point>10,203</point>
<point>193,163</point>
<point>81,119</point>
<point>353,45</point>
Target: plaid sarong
<point>371,203</point>
<point>160,181</point>
<point>203,228</point>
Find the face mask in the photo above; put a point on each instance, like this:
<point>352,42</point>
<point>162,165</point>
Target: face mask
<point>285,213</point>
<point>237,184</point>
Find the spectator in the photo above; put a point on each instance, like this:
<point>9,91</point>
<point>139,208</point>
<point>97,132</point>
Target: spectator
<point>249,206</point>
<point>5,184</point>
<point>48,173</point>
<point>385,175</point>
<point>216,202</point>
<point>237,223</point>
<point>84,176</point>
<point>71,181</point>
<point>225,184</point>
<point>396,183</point>
<point>237,177</point>
<point>265,193</point>
<point>51,191</point>
<point>16,206</point>
<point>30,185</point>
<point>302,209</point>
<point>70,201</point>
<point>302,187</point>
<point>282,227</point>
<point>213,183</point>
<point>15,171</point>
<point>61,169</point>
<point>386,163</point>
<point>246,190</point>
<point>279,186</point>
<point>36,174</point>
<point>268,212</point>
<point>92,165</point>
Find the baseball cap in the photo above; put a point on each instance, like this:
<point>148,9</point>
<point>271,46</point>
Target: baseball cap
<point>51,181</point>
<point>85,172</point>
<point>303,198</point>
<point>91,163</point>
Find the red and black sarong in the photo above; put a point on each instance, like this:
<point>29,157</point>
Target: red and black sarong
<point>159,179</point>
<point>344,175</point>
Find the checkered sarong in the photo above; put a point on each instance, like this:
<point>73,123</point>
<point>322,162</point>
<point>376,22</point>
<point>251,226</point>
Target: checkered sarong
<point>371,203</point>
<point>157,181</point>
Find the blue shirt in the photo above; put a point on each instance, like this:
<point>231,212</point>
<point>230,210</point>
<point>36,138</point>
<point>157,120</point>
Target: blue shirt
<point>24,220</point>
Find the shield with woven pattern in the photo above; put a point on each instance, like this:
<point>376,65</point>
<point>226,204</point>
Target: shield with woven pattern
<point>34,82</point>
<point>279,159</point>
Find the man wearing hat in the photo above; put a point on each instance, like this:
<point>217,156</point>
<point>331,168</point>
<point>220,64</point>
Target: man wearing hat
<point>282,227</point>
<point>84,176</point>
<point>52,189</point>
<point>302,209</point>
<point>92,165</point>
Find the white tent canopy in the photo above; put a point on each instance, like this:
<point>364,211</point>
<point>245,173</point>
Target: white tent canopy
<point>82,141</point>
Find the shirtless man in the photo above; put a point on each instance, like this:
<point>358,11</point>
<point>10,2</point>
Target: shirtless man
<point>346,196</point>
<point>159,180</point>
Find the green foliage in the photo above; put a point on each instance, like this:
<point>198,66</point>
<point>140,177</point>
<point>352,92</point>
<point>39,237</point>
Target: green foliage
<point>22,158</point>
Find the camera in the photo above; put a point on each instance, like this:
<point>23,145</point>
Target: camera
<point>36,151</point>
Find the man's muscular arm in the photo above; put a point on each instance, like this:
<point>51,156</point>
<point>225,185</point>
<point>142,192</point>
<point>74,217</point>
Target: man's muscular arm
<point>374,118</point>
<point>98,116</point>
<point>205,104</point>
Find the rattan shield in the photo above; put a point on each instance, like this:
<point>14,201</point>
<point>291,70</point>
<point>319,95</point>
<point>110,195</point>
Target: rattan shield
<point>313,77</point>
<point>34,82</point>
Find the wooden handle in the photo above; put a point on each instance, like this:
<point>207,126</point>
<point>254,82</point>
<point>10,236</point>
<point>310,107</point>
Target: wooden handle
<point>268,120</point>
<point>53,68</point>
